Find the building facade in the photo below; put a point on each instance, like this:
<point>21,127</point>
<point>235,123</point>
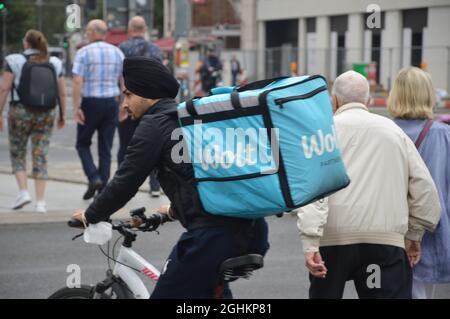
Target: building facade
<point>328,37</point>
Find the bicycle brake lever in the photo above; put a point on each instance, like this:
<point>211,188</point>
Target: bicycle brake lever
<point>77,236</point>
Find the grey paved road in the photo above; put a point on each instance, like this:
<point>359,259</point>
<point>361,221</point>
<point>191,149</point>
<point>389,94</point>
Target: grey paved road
<point>34,259</point>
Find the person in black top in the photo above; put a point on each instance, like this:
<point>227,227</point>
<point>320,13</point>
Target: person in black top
<point>192,267</point>
<point>136,45</point>
<point>210,71</point>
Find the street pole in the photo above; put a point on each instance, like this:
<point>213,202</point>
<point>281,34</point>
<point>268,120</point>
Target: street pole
<point>105,10</point>
<point>4,13</point>
<point>131,9</point>
<point>151,23</point>
<point>39,4</point>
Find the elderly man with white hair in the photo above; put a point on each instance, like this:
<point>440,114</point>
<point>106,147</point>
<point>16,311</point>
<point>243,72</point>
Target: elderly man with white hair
<point>97,72</point>
<point>369,232</point>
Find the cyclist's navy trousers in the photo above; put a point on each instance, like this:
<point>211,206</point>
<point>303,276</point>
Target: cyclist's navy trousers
<point>191,270</point>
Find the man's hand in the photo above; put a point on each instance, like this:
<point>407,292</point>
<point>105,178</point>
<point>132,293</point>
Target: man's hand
<point>167,210</point>
<point>135,222</point>
<point>315,264</point>
<point>164,209</point>
<point>412,251</point>
<point>78,115</point>
<point>79,215</point>
<point>60,123</point>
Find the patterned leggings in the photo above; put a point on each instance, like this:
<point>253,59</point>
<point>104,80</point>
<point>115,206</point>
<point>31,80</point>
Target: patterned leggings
<point>23,124</point>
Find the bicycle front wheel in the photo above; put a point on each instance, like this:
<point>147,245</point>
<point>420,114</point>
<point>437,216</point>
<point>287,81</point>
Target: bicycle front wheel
<point>84,292</point>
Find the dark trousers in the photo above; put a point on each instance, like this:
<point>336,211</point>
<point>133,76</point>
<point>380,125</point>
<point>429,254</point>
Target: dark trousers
<point>126,130</point>
<point>192,269</point>
<point>101,115</point>
<point>234,76</point>
<point>378,271</point>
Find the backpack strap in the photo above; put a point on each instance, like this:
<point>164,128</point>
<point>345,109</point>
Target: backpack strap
<point>190,106</point>
<point>14,88</point>
<point>235,100</point>
<point>18,71</point>
<point>423,133</point>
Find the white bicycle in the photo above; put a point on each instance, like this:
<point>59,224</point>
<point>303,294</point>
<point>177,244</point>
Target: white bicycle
<point>122,281</point>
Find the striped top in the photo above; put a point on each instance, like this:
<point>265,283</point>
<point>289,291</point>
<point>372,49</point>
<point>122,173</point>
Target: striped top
<point>100,65</point>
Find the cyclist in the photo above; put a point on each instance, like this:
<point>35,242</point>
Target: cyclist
<point>192,267</point>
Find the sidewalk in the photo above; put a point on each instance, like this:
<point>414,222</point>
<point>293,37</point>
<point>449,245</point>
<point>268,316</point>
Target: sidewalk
<point>65,171</point>
<point>62,199</point>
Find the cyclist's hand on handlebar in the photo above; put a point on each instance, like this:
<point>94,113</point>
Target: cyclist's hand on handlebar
<point>164,209</point>
<point>78,215</point>
<point>167,210</point>
<point>135,222</point>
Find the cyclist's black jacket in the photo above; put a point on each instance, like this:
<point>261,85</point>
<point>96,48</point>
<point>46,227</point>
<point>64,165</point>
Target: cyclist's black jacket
<point>150,148</point>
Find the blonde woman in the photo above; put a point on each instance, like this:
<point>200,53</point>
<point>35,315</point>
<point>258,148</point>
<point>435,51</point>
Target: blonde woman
<point>411,102</point>
<point>25,122</point>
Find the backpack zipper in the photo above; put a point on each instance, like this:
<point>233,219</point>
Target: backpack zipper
<point>284,100</point>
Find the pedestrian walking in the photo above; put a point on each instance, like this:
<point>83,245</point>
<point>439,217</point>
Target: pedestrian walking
<point>369,232</point>
<point>411,103</point>
<point>96,76</point>
<point>235,69</point>
<point>210,71</point>
<point>37,85</point>
<point>136,45</point>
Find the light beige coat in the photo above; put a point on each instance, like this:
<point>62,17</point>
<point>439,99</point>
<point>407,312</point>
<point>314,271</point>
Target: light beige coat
<point>391,194</point>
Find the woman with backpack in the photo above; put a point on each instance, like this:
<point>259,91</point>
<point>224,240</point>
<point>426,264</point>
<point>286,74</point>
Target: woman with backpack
<point>36,84</point>
<point>411,103</point>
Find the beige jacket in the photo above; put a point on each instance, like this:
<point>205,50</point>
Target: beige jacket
<point>391,194</point>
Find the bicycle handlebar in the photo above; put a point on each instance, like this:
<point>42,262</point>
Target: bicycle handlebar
<point>148,223</point>
<point>75,223</point>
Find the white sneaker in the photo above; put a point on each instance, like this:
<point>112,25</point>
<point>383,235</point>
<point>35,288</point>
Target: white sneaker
<point>41,207</point>
<point>22,199</point>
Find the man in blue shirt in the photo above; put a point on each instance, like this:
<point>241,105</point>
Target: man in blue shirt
<point>136,45</point>
<point>97,73</point>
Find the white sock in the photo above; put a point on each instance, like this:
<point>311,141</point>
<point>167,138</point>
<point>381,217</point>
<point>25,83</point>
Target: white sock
<point>24,192</point>
<point>40,202</point>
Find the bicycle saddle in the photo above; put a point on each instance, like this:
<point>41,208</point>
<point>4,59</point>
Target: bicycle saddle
<point>240,267</point>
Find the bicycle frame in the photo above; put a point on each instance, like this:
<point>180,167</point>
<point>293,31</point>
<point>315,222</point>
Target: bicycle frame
<point>129,257</point>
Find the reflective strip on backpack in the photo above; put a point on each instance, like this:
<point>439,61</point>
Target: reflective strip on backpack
<point>219,106</point>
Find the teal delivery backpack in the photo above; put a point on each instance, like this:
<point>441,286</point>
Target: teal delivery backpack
<point>264,148</point>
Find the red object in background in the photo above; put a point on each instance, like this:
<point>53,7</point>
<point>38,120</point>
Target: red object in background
<point>165,44</point>
<point>116,36</point>
<point>372,73</point>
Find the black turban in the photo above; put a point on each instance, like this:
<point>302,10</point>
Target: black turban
<point>149,78</point>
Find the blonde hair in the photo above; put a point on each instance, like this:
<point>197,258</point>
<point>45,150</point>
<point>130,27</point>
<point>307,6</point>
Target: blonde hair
<point>412,96</point>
